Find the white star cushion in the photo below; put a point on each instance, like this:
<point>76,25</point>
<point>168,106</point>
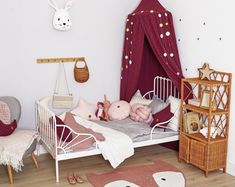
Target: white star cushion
<point>85,110</point>
<point>138,98</point>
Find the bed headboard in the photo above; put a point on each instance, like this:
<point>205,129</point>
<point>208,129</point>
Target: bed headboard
<point>162,88</point>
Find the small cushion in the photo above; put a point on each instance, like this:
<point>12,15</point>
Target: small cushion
<point>157,105</point>
<point>119,110</point>
<point>59,130</point>
<point>175,109</point>
<point>162,116</point>
<point>85,110</point>
<point>141,113</point>
<point>138,98</point>
<point>5,114</point>
<point>7,129</point>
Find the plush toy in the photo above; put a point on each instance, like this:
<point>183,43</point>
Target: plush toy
<point>61,20</point>
<point>141,113</point>
<point>119,110</point>
<point>106,108</point>
<point>213,133</point>
<point>102,109</point>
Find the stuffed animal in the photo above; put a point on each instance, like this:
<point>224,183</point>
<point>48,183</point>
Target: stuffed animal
<point>119,110</point>
<point>106,108</point>
<point>213,133</point>
<point>141,113</point>
<point>61,20</point>
<point>102,109</point>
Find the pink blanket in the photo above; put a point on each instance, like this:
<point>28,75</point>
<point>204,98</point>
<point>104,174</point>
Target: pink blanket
<point>141,113</point>
<point>70,122</point>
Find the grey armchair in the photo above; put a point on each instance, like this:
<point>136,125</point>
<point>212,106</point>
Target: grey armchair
<point>15,110</point>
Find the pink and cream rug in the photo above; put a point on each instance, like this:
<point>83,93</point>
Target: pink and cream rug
<point>159,174</point>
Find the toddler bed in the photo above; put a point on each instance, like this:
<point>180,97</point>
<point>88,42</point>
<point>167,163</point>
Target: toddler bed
<point>121,132</point>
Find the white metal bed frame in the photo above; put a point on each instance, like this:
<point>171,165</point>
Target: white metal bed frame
<point>46,127</point>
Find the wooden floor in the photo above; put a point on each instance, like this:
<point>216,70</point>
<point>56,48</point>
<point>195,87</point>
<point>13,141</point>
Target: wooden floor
<point>45,176</point>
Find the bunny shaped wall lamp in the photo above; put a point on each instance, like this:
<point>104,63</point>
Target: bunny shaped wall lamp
<point>61,19</point>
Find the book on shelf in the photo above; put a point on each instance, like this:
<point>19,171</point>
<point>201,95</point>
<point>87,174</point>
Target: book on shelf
<point>191,122</point>
<point>194,102</point>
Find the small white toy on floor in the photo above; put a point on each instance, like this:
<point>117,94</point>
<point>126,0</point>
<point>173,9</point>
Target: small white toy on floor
<point>213,133</point>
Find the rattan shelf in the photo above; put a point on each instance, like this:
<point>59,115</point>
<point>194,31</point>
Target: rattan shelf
<point>208,153</point>
<point>206,82</point>
<point>201,138</point>
<point>204,111</point>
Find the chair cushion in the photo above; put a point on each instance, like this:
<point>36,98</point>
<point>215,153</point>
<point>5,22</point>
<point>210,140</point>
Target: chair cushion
<point>14,147</point>
<point>5,114</point>
<point>7,129</point>
<point>14,105</point>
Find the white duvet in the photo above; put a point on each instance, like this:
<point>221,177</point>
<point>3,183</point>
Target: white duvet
<point>116,147</point>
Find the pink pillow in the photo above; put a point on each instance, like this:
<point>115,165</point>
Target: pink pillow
<point>141,113</point>
<point>5,114</point>
<point>65,136</point>
<point>85,110</point>
<point>7,129</point>
<point>119,110</point>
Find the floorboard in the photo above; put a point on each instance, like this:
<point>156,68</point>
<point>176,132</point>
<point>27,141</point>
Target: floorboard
<point>45,175</point>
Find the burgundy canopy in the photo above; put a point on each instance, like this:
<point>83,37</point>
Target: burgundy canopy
<point>150,49</point>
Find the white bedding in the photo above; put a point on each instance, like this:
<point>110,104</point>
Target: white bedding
<point>116,147</point>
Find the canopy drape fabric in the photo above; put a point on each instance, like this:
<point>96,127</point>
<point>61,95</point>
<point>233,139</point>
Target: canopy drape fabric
<point>150,49</point>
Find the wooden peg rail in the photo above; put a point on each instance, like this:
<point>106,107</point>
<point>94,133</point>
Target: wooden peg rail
<point>57,60</point>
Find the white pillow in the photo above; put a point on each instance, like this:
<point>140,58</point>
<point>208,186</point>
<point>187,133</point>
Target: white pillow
<point>138,98</point>
<point>175,109</point>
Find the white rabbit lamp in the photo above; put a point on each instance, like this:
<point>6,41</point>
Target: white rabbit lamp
<point>61,20</point>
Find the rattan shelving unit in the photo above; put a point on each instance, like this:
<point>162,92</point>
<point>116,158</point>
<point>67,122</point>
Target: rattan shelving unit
<point>208,153</point>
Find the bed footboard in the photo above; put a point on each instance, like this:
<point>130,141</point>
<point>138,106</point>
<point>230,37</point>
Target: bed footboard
<point>59,147</point>
<point>47,130</point>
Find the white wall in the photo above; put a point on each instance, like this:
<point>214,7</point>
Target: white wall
<point>218,18</point>
<point>97,33</point>
<point>26,33</point>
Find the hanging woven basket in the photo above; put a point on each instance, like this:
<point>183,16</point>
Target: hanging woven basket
<point>81,74</point>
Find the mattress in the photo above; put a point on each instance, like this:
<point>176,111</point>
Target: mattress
<point>135,130</point>
<point>138,132</point>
